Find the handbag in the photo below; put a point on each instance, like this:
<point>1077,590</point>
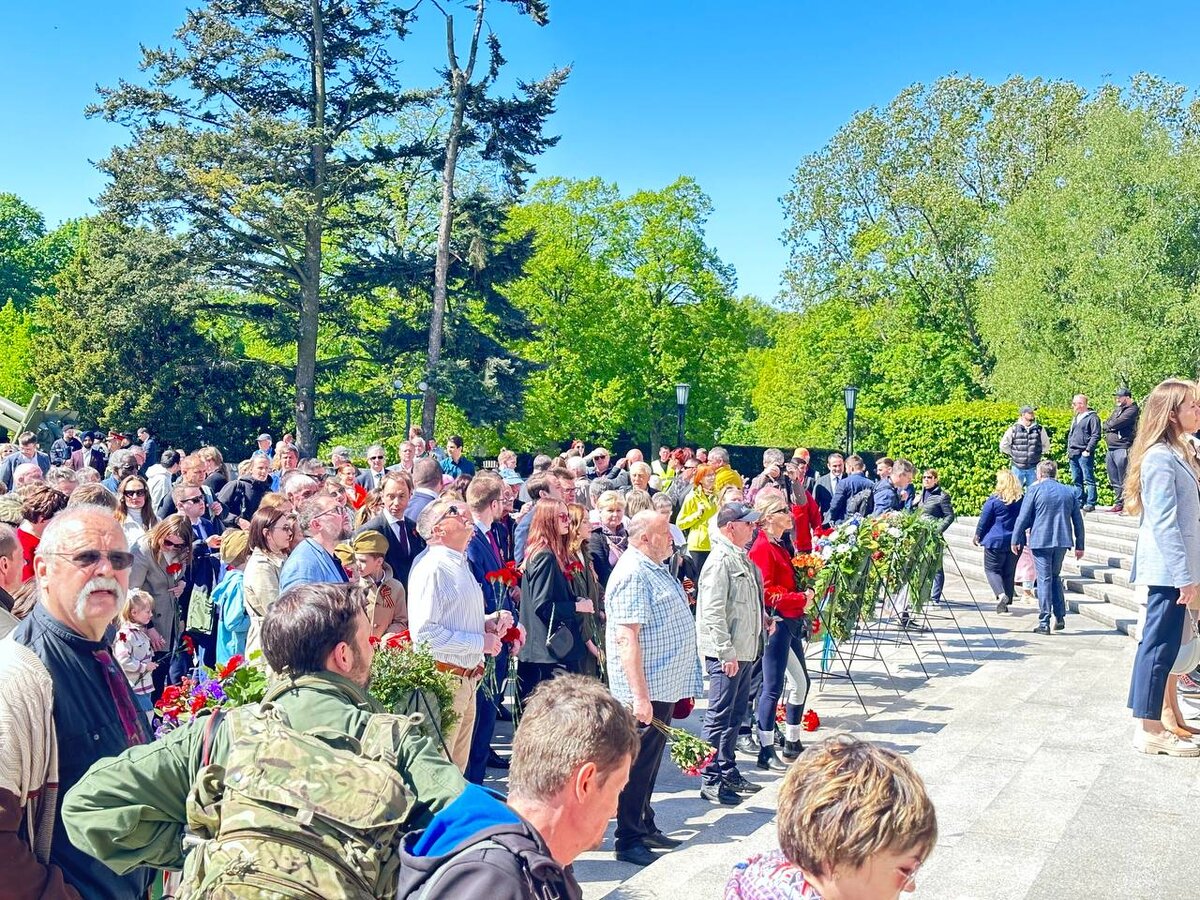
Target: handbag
<point>560,640</point>
<point>1188,656</point>
<point>200,607</point>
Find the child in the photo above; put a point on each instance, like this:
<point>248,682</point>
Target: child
<point>233,623</point>
<point>133,652</point>
<point>387,605</point>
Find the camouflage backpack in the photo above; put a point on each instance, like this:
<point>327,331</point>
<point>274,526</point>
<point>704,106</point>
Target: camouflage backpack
<point>294,814</point>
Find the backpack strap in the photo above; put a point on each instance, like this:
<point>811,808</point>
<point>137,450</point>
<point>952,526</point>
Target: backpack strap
<point>428,890</point>
<point>208,734</point>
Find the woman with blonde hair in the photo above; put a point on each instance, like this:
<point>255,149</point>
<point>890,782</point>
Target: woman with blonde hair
<point>994,534</point>
<point>162,561</point>
<point>586,586</point>
<point>610,540</point>
<point>1163,486</point>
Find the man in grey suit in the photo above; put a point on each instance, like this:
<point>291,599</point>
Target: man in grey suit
<point>1054,521</point>
<point>371,478</point>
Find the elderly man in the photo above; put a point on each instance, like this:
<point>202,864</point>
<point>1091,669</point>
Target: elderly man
<point>727,476</point>
<point>427,485</point>
<point>371,478</point>
<point>403,541</point>
<point>121,464</point>
<point>325,523</point>
<point>729,630</point>
<point>571,758</point>
<point>1050,514</point>
<point>265,446</point>
<point>408,456</point>
<point>774,474</point>
<point>65,704</point>
<point>287,458</point>
<point>446,611</point>
<point>27,453</point>
<point>651,636</point>
<point>299,488</point>
<point>11,564</point>
<point>639,478</point>
<point>63,479</point>
<point>137,808</point>
<point>27,473</point>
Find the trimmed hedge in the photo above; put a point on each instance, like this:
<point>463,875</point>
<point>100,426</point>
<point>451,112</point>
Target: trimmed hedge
<point>962,441</point>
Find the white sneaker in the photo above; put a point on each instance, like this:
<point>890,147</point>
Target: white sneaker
<point>1163,744</point>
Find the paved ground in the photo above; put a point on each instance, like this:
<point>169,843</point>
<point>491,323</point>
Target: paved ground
<point>1024,743</point>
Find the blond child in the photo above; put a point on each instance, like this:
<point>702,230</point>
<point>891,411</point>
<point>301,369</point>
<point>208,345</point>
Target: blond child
<point>133,651</point>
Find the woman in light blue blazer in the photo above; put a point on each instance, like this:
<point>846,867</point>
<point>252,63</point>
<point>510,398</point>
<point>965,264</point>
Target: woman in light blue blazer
<point>1163,485</point>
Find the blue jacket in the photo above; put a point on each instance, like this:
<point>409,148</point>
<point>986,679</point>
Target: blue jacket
<point>1050,512</point>
<point>996,523</point>
<point>233,623</point>
<point>310,563</point>
<point>482,559</point>
<point>1168,542</point>
<point>847,488</point>
<point>886,498</point>
<point>520,536</point>
<point>463,467</point>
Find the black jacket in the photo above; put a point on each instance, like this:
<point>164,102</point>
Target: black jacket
<point>396,557</point>
<point>1120,427</point>
<point>546,598</point>
<point>1084,434</point>
<point>934,503</point>
<point>239,499</point>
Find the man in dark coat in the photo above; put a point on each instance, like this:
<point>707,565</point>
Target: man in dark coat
<point>1081,450</point>
<point>1119,429</point>
<point>403,541</point>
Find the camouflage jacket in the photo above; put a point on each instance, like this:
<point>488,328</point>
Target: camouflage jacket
<point>131,810</point>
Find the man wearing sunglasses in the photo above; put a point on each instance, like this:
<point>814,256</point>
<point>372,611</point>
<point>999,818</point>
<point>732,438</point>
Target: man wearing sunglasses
<point>325,523</point>
<point>65,704</point>
<point>372,478</point>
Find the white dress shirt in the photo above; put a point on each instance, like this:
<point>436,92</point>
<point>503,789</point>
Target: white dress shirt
<point>445,607</point>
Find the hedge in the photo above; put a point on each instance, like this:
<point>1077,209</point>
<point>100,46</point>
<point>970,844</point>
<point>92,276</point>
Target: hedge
<point>962,442</point>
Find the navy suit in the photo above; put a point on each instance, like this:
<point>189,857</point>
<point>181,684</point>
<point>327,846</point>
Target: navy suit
<point>847,488</point>
<point>1050,512</point>
<point>416,504</point>
<point>482,558</point>
<point>366,479</point>
<point>398,558</point>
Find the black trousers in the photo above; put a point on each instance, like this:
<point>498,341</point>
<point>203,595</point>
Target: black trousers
<point>635,815</point>
<point>1000,567</point>
<point>727,699</point>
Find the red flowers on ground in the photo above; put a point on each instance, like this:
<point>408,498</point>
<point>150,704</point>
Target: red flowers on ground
<point>810,721</point>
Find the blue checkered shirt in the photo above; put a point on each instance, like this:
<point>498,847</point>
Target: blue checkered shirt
<point>642,592</point>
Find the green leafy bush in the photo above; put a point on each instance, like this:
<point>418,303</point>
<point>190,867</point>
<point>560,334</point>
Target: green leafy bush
<point>962,441</point>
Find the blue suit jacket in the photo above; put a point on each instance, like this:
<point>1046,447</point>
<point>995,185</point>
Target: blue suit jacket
<point>847,488</point>
<point>482,559</point>
<point>310,563</point>
<point>1168,542</point>
<point>1050,512</point>
<point>996,523</point>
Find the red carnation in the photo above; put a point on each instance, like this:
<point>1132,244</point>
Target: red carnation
<point>174,568</point>
<point>230,667</point>
<point>816,627</point>
<point>810,720</point>
<point>189,645</point>
<point>512,635</point>
<point>198,704</point>
<point>373,640</point>
<point>121,636</point>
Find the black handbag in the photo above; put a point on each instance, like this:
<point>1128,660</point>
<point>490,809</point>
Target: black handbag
<point>560,640</point>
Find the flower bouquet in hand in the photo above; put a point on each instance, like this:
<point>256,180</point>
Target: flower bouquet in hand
<point>233,684</point>
<point>689,752</point>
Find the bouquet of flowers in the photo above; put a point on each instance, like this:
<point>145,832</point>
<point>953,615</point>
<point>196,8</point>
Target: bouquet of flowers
<point>807,566</point>
<point>507,576</point>
<point>689,752</point>
<point>405,678</point>
<point>233,684</point>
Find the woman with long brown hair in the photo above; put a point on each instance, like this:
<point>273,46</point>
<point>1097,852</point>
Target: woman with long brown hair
<point>134,510</point>
<point>272,531</point>
<point>549,608</point>
<point>1164,487</point>
<point>585,585</point>
<point>161,560</point>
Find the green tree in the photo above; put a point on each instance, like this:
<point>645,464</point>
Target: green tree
<point>30,256</point>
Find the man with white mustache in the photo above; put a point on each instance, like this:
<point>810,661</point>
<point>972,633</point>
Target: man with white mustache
<point>65,705</point>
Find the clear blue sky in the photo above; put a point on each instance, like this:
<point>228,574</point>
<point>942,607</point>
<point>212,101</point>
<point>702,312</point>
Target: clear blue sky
<point>733,94</point>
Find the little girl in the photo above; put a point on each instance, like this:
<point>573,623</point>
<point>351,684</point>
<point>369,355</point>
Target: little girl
<point>133,651</point>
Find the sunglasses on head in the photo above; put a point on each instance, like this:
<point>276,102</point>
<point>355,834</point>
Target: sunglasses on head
<point>86,559</point>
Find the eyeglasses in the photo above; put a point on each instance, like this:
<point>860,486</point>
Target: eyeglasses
<point>340,510</point>
<point>199,499</point>
<point>564,517</point>
<point>910,875</point>
<point>372,458</point>
<point>929,478</point>
<point>87,559</point>
<point>174,545</point>
<point>134,492</point>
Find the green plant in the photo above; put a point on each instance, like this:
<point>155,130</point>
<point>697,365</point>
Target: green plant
<point>401,670</point>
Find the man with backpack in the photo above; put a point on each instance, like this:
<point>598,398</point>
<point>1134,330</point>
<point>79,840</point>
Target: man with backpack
<point>854,494</point>
<point>305,794</point>
<point>571,758</point>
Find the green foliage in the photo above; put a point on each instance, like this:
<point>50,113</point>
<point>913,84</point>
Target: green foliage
<point>29,255</point>
<point>399,671</point>
<point>962,441</point>
<point>15,377</point>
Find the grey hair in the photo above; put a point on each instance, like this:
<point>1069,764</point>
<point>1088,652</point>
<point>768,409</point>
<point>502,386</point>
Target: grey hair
<point>661,503</point>
<point>375,447</point>
<point>1047,468</point>
<point>598,487</point>
<point>296,480</point>
<point>120,459</point>
<point>641,523</point>
<point>773,457</point>
<point>312,508</point>
<point>720,456</point>
<point>53,535</point>
<point>577,466</point>
<point>61,473</point>
<point>87,475</point>
<point>903,467</point>
<point>541,462</point>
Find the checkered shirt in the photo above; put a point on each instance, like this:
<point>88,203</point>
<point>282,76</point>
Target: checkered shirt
<point>642,592</point>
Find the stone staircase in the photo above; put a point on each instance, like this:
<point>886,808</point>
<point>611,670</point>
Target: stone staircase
<point>1096,586</point>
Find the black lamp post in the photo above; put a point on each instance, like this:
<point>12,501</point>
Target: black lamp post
<point>850,396</point>
<point>408,402</point>
<point>681,399</point>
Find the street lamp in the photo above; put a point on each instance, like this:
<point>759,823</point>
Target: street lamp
<point>850,396</point>
<point>681,399</point>
<point>408,399</point>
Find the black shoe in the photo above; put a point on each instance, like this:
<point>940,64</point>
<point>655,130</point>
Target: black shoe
<point>496,761</point>
<point>502,714</point>
<point>1002,606</point>
<point>1118,508</point>
<point>660,841</point>
<point>1089,508</point>
<point>718,793</point>
<point>740,785</point>
<point>1060,624</point>
<point>908,623</point>
<point>769,762</point>
<point>792,750</point>
<point>637,854</point>
<point>747,744</point>
<point>1041,629</point>
<point>779,742</point>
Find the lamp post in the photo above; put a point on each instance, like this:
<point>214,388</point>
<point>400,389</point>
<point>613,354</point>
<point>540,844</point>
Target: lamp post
<point>408,399</point>
<point>681,399</point>
<point>850,396</point>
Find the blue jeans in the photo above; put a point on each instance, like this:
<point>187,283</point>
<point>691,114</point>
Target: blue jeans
<point>1049,586</point>
<point>785,641</point>
<point>1026,476</point>
<point>1156,652</point>
<point>1083,473</point>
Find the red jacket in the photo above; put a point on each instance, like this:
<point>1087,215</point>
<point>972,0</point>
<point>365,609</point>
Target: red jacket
<point>805,519</point>
<point>779,578</point>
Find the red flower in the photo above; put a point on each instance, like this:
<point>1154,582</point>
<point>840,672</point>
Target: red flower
<point>374,641</point>
<point>174,568</point>
<point>230,667</point>
<point>781,714</point>
<point>574,567</point>
<point>400,641</point>
<point>198,704</point>
<point>816,627</point>
<point>810,720</point>
<point>513,634</point>
<point>121,636</point>
<point>877,555</point>
<point>170,697</point>
<point>189,645</point>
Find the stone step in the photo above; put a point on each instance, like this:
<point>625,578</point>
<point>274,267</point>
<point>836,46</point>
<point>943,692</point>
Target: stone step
<point>1101,529</point>
<point>960,544</point>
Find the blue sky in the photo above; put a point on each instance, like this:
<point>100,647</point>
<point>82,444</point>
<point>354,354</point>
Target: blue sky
<point>733,94</point>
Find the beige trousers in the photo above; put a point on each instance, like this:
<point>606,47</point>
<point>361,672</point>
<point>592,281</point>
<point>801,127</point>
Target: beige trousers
<point>458,741</point>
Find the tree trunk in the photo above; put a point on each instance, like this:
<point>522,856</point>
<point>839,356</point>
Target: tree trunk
<point>310,288</point>
<point>459,83</point>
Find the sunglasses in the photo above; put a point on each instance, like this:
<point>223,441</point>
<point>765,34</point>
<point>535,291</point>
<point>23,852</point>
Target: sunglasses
<point>192,500</point>
<point>564,517</point>
<point>174,545</point>
<point>375,457</point>
<point>134,492</point>
<point>86,559</point>
<point>452,511</point>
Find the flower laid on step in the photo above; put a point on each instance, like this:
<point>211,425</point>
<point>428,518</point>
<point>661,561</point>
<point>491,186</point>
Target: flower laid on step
<point>810,721</point>
<point>689,752</point>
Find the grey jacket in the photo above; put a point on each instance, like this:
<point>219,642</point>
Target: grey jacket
<point>1168,542</point>
<point>151,576</point>
<point>729,604</point>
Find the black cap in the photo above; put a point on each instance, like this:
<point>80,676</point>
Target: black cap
<point>1122,392</point>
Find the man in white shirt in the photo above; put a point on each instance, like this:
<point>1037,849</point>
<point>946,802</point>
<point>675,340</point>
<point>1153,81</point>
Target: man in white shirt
<point>445,611</point>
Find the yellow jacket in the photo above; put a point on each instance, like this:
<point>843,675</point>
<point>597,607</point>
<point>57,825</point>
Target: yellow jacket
<point>698,507</point>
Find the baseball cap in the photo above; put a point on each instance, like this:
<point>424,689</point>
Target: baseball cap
<point>736,512</point>
<point>1025,409</point>
<point>800,453</point>
<point>1122,392</point>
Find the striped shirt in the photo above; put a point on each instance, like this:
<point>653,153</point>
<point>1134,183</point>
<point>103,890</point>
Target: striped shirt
<point>445,607</point>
